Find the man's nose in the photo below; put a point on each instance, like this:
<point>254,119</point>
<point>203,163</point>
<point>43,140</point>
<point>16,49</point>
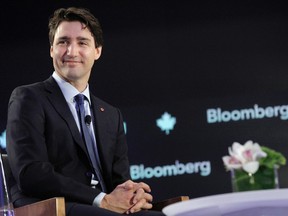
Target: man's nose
<point>72,50</point>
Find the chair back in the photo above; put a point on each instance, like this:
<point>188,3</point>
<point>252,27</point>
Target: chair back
<point>6,178</point>
<point>49,207</point>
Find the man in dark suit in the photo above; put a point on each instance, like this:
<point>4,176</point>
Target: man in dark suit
<point>48,155</point>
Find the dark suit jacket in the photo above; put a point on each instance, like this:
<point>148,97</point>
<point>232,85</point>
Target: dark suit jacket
<point>46,152</point>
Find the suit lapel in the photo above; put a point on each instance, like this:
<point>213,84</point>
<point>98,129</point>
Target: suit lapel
<point>58,101</point>
<point>99,119</point>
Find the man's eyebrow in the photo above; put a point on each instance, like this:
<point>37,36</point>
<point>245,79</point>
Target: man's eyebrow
<point>63,38</point>
<point>83,39</point>
<point>78,38</point>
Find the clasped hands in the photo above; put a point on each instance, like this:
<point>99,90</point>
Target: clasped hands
<point>128,197</point>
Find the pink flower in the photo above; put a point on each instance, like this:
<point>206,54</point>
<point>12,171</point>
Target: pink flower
<point>244,157</point>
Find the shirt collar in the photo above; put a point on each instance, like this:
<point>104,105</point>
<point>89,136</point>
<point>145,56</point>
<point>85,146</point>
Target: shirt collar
<point>68,90</point>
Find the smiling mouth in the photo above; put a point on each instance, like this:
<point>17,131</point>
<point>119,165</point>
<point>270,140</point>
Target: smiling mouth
<point>71,62</point>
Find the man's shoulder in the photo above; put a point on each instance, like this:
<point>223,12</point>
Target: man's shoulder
<point>99,101</point>
<point>35,85</point>
<point>35,88</point>
<point>102,105</point>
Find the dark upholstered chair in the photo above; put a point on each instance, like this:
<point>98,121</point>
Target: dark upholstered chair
<point>50,207</point>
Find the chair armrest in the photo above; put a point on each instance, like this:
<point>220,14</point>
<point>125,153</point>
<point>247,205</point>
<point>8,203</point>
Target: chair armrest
<point>158,206</point>
<point>50,207</point>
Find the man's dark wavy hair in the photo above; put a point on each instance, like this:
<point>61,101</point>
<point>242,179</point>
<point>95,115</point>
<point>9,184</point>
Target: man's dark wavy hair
<point>76,14</point>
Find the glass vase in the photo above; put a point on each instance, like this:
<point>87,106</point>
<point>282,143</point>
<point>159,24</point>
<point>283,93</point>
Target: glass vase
<point>264,178</point>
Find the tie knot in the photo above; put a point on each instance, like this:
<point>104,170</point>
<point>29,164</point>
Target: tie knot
<point>79,98</point>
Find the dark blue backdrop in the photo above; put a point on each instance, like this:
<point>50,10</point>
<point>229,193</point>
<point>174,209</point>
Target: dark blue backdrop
<point>180,57</point>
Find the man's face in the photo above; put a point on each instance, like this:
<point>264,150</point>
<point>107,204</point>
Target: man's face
<point>73,52</point>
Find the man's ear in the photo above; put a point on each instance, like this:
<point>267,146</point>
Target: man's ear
<point>51,51</point>
<point>98,51</point>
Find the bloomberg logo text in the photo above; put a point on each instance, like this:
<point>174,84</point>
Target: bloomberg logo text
<point>217,115</point>
<point>142,172</point>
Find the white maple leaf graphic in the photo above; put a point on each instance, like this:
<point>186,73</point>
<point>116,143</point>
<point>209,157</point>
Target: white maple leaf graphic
<point>166,122</point>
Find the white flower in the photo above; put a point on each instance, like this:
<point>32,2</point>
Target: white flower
<point>231,162</point>
<point>244,156</point>
<point>251,167</point>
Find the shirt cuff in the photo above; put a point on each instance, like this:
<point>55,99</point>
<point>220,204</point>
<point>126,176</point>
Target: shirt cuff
<point>98,199</point>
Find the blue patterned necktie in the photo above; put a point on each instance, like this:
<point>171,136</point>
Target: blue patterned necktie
<point>88,139</point>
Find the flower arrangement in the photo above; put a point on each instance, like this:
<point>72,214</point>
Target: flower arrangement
<point>253,166</point>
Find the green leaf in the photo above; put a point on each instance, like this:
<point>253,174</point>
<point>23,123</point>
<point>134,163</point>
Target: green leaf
<point>264,178</point>
<point>273,158</point>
